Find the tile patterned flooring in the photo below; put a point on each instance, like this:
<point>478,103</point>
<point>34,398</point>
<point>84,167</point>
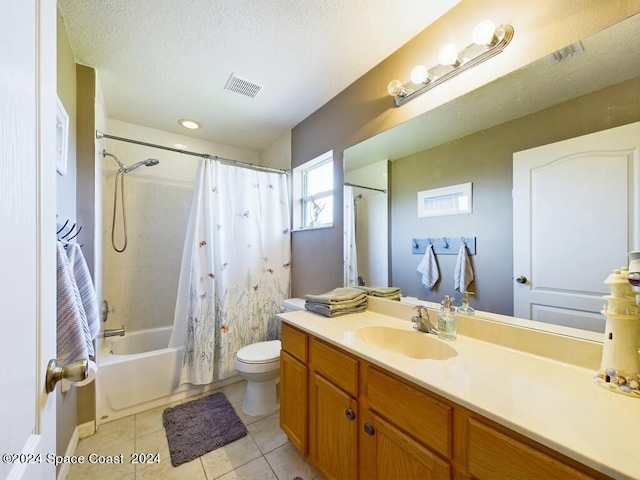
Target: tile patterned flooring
<point>264,454</point>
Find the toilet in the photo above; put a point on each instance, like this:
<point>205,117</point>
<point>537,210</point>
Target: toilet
<point>259,365</point>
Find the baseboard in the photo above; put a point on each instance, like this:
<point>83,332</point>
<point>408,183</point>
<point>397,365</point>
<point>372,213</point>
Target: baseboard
<point>71,450</point>
<point>86,429</point>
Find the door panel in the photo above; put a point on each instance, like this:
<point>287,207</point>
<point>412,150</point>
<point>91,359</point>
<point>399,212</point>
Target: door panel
<point>575,208</point>
<point>333,434</point>
<point>27,245</point>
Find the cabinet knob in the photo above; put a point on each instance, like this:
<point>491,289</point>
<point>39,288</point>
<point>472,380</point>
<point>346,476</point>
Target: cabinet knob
<point>368,428</point>
<point>350,414</point>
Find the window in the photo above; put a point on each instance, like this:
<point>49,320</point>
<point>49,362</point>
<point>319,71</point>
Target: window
<point>313,193</point>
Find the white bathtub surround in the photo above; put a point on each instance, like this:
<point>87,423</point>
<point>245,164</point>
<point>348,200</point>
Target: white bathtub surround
<point>138,372</point>
<point>235,267</point>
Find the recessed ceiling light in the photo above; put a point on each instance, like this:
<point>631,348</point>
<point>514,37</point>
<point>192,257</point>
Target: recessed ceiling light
<point>190,124</point>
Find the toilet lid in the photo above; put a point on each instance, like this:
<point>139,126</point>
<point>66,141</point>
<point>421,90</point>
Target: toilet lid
<point>261,352</point>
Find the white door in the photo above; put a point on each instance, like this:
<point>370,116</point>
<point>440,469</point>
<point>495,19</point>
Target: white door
<point>27,236</point>
<point>576,215</point>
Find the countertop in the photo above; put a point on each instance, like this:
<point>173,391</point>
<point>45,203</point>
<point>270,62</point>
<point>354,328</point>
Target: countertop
<point>554,403</point>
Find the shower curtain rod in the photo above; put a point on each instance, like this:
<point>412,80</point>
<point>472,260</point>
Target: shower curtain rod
<point>362,186</point>
<point>237,163</point>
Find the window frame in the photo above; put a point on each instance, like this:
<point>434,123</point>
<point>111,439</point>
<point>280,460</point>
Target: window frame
<point>301,199</point>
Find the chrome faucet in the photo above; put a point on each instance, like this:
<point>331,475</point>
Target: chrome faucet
<point>423,324</point>
<point>115,332</point>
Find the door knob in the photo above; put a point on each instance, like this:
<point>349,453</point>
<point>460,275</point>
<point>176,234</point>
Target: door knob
<point>521,279</point>
<point>75,372</point>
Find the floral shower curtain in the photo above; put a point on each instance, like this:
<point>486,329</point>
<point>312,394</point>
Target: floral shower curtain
<point>235,268</point>
<point>349,245</point>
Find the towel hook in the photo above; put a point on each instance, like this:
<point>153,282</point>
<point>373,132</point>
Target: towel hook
<point>430,241</point>
<point>464,241</point>
<point>446,244</point>
<point>416,245</point>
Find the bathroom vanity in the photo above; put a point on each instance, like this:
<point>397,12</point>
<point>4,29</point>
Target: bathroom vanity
<point>366,396</point>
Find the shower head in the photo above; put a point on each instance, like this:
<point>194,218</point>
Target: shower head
<point>149,162</point>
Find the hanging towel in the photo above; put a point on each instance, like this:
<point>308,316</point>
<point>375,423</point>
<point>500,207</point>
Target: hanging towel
<point>463,273</point>
<point>85,288</point>
<point>429,268</point>
<point>73,337</point>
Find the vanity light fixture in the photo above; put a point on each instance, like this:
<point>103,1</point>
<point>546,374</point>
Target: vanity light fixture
<point>488,41</point>
<point>190,124</point>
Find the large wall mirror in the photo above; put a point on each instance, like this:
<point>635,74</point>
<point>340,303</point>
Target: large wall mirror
<point>588,87</point>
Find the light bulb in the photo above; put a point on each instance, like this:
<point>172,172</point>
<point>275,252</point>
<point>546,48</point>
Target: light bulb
<point>396,89</point>
<point>449,55</point>
<point>484,33</point>
<point>190,124</point>
<point>420,74</point>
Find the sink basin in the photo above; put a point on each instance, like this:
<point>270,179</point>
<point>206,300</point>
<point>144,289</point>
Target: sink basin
<point>408,343</point>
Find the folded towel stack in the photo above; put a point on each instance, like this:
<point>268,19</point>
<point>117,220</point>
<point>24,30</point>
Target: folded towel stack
<point>390,293</point>
<point>339,301</point>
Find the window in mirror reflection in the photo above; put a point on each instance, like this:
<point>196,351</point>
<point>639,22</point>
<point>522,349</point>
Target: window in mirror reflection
<point>313,193</point>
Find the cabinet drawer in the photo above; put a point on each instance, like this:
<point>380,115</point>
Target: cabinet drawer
<point>494,455</point>
<point>334,365</point>
<point>294,342</point>
<point>415,412</point>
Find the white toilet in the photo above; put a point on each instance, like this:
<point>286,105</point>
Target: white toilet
<point>259,364</point>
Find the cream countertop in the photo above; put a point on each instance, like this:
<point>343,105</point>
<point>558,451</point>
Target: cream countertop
<point>554,403</point>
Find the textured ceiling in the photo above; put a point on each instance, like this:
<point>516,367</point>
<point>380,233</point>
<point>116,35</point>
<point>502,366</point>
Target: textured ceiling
<point>162,60</point>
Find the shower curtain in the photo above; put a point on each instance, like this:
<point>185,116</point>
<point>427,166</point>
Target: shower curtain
<point>349,245</point>
<point>235,268</point>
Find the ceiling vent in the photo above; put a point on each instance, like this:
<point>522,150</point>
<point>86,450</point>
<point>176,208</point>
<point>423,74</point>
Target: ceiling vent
<point>565,53</point>
<point>242,86</point>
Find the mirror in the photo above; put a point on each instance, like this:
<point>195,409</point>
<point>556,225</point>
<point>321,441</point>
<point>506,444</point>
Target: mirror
<point>544,102</point>
<point>369,219</point>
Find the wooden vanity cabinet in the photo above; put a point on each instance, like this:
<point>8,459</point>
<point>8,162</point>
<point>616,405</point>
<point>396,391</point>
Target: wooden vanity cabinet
<point>387,453</point>
<point>294,388</point>
<point>333,411</point>
<point>355,420</point>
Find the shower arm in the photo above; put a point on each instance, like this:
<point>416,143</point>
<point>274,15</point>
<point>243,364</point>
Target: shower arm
<point>120,164</point>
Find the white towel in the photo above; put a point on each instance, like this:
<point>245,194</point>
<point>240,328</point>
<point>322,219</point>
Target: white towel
<point>85,288</point>
<point>429,268</point>
<point>463,273</point>
<point>73,337</point>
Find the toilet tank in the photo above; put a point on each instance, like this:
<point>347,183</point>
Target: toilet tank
<point>292,304</point>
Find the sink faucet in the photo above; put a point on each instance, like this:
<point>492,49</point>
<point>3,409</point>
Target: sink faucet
<point>423,324</point>
<point>115,332</point>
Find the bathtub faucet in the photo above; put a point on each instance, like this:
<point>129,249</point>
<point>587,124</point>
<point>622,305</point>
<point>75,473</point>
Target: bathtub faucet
<point>115,332</point>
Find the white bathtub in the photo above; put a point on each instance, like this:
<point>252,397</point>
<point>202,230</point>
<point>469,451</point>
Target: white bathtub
<point>138,371</point>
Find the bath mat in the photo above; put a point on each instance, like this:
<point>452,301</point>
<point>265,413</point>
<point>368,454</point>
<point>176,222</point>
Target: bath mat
<point>200,426</point>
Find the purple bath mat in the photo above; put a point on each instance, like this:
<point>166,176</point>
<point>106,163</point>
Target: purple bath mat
<point>200,426</point>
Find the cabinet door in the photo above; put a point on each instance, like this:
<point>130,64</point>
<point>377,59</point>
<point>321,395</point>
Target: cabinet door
<point>495,456</point>
<point>333,430</point>
<point>394,455</point>
<point>293,400</point>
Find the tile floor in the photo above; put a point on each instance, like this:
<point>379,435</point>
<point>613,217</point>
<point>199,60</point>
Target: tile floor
<point>264,454</point>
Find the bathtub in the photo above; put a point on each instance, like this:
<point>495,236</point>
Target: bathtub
<point>138,371</point>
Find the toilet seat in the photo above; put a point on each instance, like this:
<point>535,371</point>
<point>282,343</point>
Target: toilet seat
<point>260,353</point>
